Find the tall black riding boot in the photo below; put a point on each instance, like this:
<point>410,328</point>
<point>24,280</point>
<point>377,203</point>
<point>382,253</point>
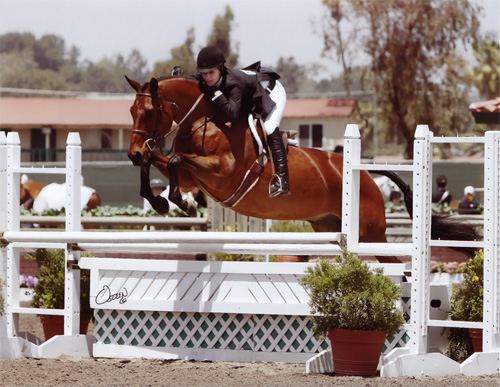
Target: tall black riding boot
<point>279,181</point>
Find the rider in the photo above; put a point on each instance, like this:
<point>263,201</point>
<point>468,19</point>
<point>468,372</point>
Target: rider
<point>237,93</point>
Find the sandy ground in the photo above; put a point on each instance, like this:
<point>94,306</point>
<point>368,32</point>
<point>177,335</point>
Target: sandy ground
<point>108,372</point>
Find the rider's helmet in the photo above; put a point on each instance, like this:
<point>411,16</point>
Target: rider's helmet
<point>210,57</point>
<point>441,181</point>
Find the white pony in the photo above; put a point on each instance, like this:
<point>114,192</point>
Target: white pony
<point>386,186</point>
<point>53,197</point>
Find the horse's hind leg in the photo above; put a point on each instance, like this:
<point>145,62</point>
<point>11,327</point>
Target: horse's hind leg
<point>329,223</point>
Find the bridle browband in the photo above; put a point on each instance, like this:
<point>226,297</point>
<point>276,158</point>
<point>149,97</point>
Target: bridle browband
<point>175,126</point>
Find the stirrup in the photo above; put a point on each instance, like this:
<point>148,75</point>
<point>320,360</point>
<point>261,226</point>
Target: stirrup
<point>277,187</point>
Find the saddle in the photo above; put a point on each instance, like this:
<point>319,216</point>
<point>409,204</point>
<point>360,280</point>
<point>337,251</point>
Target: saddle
<point>252,175</point>
<point>261,140</point>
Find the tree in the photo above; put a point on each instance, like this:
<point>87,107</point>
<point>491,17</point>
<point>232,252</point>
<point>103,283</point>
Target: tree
<point>182,56</point>
<point>17,42</point>
<point>220,36</point>
<point>136,64</point>
<point>333,39</point>
<point>417,73</point>
<point>486,73</point>
<point>291,73</point>
<point>49,52</point>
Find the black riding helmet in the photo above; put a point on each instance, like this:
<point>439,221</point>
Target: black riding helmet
<point>210,57</point>
<point>441,181</point>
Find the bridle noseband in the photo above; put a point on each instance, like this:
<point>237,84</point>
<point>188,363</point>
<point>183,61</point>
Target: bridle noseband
<point>152,142</point>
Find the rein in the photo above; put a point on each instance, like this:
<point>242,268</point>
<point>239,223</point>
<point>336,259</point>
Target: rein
<point>175,126</point>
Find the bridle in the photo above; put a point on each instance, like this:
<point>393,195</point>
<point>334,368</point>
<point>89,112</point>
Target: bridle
<point>152,142</point>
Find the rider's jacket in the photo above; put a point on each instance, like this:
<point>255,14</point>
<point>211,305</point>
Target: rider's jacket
<point>241,92</point>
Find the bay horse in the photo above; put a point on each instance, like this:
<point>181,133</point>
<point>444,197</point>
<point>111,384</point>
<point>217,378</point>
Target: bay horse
<point>216,157</point>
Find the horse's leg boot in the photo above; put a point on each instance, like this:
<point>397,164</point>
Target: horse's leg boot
<point>279,181</point>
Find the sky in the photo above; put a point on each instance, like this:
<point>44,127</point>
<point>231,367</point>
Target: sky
<point>264,29</point>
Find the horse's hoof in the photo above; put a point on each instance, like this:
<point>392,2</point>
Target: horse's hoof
<point>161,205</point>
<point>192,210</point>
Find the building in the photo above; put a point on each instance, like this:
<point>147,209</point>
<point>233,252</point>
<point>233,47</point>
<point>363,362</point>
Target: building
<point>104,124</point>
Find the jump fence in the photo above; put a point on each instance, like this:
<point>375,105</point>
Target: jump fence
<point>239,310</point>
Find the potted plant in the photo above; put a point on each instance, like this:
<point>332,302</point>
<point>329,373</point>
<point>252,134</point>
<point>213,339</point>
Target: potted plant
<point>49,292</point>
<point>467,304</point>
<point>356,308</point>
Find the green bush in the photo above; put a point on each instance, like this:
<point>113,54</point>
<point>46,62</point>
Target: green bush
<point>291,226</point>
<point>466,305</point>
<point>49,292</point>
<point>467,298</point>
<point>236,257</point>
<point>348,295</point>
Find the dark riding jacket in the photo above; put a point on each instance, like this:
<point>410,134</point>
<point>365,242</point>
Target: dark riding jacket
<point>241,93</point>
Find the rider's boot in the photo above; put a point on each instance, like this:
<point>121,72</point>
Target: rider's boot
<point>279,181</point>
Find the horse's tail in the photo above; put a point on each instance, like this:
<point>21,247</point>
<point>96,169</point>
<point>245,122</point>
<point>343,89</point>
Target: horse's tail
<point>405,188</point>
<point>442,227</point>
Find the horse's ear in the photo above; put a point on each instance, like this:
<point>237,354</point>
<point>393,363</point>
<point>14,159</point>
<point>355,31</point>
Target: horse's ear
<point>135,85</point>
<point>153,86</point>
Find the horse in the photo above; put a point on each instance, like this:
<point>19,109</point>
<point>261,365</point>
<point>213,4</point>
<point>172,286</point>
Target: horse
<point>386,186</point>
<point>41,197</point>
<point>215,157</point>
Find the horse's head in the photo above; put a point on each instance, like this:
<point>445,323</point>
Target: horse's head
<point>152,119</point>
<point>24,195</point>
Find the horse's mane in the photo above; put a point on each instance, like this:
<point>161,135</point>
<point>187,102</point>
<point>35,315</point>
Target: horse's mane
<point>162,78</point>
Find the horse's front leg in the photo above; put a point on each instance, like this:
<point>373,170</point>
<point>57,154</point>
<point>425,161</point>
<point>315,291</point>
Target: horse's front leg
<point>159,203</point>
<point>175,195</point>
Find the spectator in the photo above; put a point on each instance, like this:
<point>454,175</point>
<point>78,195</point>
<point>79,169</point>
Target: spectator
<point>395,203</point>
<point>469,204</point>
<point>442,196</point>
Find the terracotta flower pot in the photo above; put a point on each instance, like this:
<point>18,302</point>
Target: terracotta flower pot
<point>54,325</point>
<point>355,352</point>
<point>476,335</point>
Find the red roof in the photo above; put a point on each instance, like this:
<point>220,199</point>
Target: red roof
<point>33,112</point>
<point>302,108</point>
<point>64,111</point>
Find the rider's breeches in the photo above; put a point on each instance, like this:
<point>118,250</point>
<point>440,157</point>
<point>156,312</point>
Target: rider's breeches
<point>278,95</point>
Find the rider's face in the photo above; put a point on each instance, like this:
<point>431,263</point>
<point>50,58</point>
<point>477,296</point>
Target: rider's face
<point>211,76</point>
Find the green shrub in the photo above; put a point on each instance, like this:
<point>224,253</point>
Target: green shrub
<point>236,257</point>
<point>49,292</point>
<point>467,298</point>
<point>466,305</point>
<point>348,295</point>
<point>291,226</point>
